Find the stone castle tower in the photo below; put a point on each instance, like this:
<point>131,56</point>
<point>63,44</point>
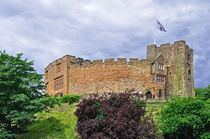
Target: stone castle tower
<point>167,71</point>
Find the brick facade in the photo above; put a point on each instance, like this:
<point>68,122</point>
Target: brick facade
<point>167,71</point>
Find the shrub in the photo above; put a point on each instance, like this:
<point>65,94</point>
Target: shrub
<point>70,98</point>
<point>114,116</point>
<point>186,118</point>
<point>203,92</point>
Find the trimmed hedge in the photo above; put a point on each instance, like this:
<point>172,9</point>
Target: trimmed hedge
<point>114,116</point>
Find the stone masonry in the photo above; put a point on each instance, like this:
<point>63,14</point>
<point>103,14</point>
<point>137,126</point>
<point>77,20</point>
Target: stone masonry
<point>167,71</point>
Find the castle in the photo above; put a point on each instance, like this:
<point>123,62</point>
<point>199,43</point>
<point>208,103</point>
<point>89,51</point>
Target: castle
<point>167,71</point>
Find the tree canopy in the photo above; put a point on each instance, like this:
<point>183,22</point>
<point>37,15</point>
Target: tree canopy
<point>21,93</point>
<point>203,92</point>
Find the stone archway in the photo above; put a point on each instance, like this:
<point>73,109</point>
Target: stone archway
<point>148,95</point>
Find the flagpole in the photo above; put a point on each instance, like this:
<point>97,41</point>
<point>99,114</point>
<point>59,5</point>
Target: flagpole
<point>155,41</point>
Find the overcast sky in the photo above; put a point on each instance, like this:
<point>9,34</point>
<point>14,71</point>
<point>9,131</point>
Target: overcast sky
<point>44,30</point>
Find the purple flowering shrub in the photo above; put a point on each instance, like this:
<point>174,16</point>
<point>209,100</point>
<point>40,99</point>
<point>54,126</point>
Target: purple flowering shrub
<point>114,116</point>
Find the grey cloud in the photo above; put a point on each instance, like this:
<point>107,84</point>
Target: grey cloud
<point>45,30</point>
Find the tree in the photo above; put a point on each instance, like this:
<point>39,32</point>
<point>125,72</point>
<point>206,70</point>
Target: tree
<point>203,92</point>
<point>21,93</point>
<point>186,118</point>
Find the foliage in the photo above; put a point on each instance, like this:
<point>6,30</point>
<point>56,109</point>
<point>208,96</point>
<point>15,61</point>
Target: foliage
<point>53,124</point>
<point>56,124</point>
<point>20,93</point>
<point>70,98</point>
<point>117,115</point>
<point>203,92</point>
<point>186,118</point>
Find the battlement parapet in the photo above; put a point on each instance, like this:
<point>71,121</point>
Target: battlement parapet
<point>152,50</point>
<point>97,62</point>
<point>166,45</point>
<point>109,61</point>
<point>67,58</point>
<point>180,42</point>
<point>121,61</point>
<point>134,61</point>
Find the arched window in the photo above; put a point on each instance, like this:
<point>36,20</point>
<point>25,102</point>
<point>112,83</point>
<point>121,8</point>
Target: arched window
<point>148,95</point>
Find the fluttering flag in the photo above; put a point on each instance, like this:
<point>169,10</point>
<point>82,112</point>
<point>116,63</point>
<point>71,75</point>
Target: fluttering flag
<point>160,26</point>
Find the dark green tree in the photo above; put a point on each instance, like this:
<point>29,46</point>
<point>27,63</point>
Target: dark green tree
<point>203,92</point>
<point>21,94</point>
<point>186,118</point>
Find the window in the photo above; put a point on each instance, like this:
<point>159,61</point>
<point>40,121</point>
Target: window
<point>160,66</point>
<point>46,74</point>
<point>188,58</point>
<point>160,78</point>
<point>58,83</point>
<point>189,74</point>
<point>58,67</point>
<point>46,86</point>
<point>153,79</point>
<point>160,93</point>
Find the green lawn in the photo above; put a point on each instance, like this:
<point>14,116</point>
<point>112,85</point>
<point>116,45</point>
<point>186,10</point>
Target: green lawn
<point>53,124</point>
<point>154,108</point>
<point>57,124</point>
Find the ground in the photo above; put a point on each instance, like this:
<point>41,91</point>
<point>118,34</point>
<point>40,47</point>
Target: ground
<point>61,121</point>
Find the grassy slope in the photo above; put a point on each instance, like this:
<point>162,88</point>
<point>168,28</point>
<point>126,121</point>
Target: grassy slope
<point>155,109</point>
<point>54,124</point>
<point>57,124</point>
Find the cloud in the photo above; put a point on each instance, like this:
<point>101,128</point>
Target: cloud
<point>45,30</point>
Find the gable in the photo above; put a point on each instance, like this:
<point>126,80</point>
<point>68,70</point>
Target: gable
<point>160,59</point>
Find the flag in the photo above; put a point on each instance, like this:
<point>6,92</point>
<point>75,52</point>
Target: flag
<point>160,26</point>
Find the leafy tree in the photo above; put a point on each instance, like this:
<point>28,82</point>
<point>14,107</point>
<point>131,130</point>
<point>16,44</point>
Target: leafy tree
<point>21,93</point>
<point>186,118</point>
<point>203,92</point>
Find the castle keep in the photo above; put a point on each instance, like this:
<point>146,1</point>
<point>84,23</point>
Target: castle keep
<point>167,71</point>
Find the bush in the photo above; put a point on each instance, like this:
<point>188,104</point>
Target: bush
<point>114,116</point>
<point>186,118</point>
<point>70,98</point>
<point>203,92</point>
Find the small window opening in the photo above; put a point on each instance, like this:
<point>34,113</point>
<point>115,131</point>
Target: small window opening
<point>189,74</point>
<point>153,79</point>
<point>160,94</point>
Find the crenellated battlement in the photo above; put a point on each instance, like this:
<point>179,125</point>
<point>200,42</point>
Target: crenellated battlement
<point>152,52</point>
<point>77,62</point>
<point>166,71</point>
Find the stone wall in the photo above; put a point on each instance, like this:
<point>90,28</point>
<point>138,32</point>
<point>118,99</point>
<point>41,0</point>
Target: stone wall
<point>71,75</point>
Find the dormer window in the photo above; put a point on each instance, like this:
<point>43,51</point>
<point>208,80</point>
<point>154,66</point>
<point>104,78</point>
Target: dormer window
<point>160,66</point>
